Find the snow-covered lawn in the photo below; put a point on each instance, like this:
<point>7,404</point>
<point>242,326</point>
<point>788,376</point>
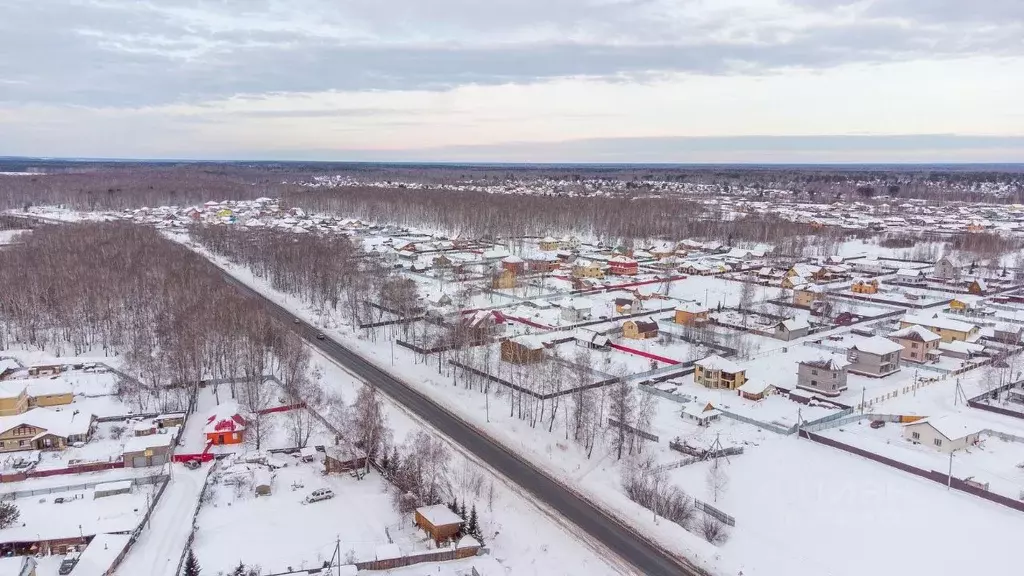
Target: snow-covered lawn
<point>804,508</point>
<point>993,460</point>
<point>278,530</point>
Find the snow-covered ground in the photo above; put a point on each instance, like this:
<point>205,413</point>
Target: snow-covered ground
<point>788,515</point>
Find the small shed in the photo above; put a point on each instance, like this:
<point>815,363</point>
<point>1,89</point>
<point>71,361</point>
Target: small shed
<point>755,390</point>
<point>151,450</point>
<point>112,489</point>
<point>438,521</point>
<point>261,481</point>
<point>341,459</point>
<point>169,420</point>
<point>701,414</point>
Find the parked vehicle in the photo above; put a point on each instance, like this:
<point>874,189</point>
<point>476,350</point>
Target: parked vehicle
<point>297,321</point>
<point>318,495</point>
<point>320,336</point>
<point>193,464</point>
<point>68,564</point>
<point>59,500</point>
<point>878,424</point>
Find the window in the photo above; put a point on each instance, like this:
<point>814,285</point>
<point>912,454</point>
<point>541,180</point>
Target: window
<point>814,382</point>
<point>22,443</point>
<point>914,345</point>
<point>913,354</point>
<point>833,386</point>
<point>814,372</point>
<point>835,375</point>
<point>916,435</point>
<point>938,441</point>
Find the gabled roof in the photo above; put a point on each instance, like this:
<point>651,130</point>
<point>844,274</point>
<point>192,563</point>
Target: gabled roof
<point>224,418</point>
<point>439,515</point>
<point>794,324</point>
<point>716,362</point>
<point>915,333</point>
<point>909,272</point>
<point>755,386</point>
<point>691,307</point>
<point>940,322</point>
<point>877,345</point>
<point>827,363</point>
<point>63,423</point>
<point>952,426</point>
<point>645,326</point>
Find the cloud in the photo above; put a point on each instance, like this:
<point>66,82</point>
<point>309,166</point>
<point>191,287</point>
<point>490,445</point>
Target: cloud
<point>121,53</point>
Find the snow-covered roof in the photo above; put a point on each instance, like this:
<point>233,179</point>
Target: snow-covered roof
<point>12,389</point>
<point>467,541</point>
<point>143,443</point>
<point>909,273</point>
<point>49,387</point>
<point>100,554</point>
<point>700,410</point>
<point>795,324</point>
<point>439,515</point>
<point>17,566</point>
<point>915,332</point>
<point>716,362</point>
<point>755,386</point>
<point>940,322</point>
<point>62,423</point>
<point>952,426</point>
<point>877,345</point>
<point>529,341</point>
<point>969,299</point>
<point>621,260</point>
<point>513,259</point>
<point>691,307</point>
<point>225,416</point>
<point>959,347</point>
<point>831,362</point>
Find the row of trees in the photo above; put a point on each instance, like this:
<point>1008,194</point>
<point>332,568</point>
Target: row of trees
<point>121,289</point>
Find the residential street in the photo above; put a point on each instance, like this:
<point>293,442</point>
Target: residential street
<point>647,558</point>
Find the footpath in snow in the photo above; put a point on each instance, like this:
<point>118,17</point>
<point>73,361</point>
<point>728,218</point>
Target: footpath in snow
<point>158,549</point>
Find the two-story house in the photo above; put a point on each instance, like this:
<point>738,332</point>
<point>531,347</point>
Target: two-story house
<point>875,356</point>
<point>919,344</point>
<point>717,372</point>
<point>826,375</point>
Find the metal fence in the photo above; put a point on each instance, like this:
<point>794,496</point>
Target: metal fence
<point>632,430</point>
<point>714,512</point>
<point>140,481</point>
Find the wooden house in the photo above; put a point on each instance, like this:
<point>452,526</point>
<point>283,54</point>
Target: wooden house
<point>522,350</point>
<point>341,459</point>
<point>513,264</point>
<point>689,313</point>
<point>438,521</point>
<point>549,244</point>
<point>639,329</point>
<point>978,287</point>
<point>863,286</point>
<point>586,269</point>
<point>504,280</point>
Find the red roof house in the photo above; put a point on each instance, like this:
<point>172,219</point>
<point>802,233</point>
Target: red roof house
<point>622,266</point>
<point>225,425</point>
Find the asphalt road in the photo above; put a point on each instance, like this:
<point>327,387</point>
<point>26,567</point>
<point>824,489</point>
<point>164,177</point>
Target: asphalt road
<point>647,558</point>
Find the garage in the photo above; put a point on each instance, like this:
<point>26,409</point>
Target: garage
<point>149,450</point>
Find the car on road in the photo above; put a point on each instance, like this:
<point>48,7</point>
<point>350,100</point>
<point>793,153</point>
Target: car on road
<point>193,464</point>
<point>297,321</point>
<point>320,336</point>
<point>319,495</point>
<point>878,424</point>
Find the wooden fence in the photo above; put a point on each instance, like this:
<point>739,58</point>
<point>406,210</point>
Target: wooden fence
<point>632,430</point>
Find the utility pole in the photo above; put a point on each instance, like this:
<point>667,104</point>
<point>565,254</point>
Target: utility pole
<point>949,477</point>
<point>863,390</point>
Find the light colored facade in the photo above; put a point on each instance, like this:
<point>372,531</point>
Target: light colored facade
<point>875,357</point>
<point>826,376</point>
<point>947,433</point>
<point>717,372</point>
<point>949,330</point>
<point>919,344</point>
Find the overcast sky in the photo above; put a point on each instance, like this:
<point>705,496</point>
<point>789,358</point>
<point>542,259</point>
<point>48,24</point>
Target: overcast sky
<point>515,80</point>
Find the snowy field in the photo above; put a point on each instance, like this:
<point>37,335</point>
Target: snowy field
<point>803,508</point>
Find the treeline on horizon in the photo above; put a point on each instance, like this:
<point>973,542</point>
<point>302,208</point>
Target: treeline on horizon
<point>124,185</point>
